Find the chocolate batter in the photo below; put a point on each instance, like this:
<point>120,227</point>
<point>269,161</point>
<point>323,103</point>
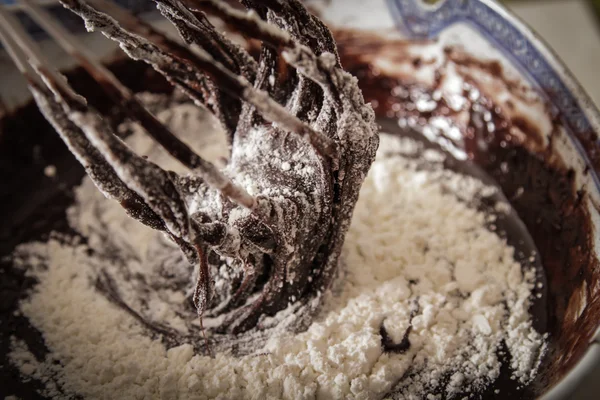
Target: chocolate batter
<point>537,185</point>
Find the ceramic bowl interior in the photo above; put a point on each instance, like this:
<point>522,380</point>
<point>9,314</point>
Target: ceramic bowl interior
<point>478,42</point>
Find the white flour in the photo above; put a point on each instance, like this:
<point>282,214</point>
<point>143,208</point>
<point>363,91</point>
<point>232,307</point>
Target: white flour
<point>415,247</point>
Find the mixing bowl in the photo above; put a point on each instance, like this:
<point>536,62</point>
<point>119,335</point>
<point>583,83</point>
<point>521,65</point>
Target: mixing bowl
<point>547,165</point>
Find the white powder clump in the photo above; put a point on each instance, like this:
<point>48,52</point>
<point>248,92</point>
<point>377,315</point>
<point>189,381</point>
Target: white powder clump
<point>417,259</point>
<point>50,171</point>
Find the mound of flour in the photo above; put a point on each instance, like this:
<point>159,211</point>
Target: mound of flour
<point>419,264</point>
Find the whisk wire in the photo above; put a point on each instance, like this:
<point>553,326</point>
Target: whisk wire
<point>120,94</point>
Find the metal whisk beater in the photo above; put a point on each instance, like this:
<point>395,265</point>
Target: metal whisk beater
<point>297,87</point>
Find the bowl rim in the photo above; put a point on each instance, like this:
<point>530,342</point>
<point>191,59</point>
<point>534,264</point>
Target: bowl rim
<point>591,358</point>
<point>427,21</point>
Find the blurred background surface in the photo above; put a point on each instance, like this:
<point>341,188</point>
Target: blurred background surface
<point>572,29</point>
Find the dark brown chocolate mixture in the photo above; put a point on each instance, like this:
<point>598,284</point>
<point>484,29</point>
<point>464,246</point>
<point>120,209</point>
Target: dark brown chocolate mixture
<point>543,193</point>
<point>33,205</point>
